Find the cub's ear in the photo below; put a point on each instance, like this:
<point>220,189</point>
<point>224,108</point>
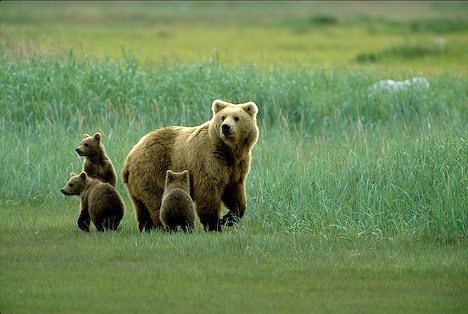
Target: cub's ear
<point>169,175</point>
<point>185,174</point>
<point>218,105</point>
<point>97,136</point>
<point>72,174</point>
<point>85,135</point>
<point>83,175</point>
<point>251,108</point>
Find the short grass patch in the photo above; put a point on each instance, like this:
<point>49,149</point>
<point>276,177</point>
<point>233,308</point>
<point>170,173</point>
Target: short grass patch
<point>50,266</point>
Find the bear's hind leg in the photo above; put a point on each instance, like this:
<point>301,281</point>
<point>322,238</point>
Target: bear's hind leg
<point>155,207</point>
<point>143,217</point>
<point>111,223</point>
<point>114,223</point>
<point>98,221</point>
<point>100,226</point>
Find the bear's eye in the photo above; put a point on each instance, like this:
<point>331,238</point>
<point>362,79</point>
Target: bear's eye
<point>236,119</point>
<point>70,185</point>
<point>223,117</point>
<point>86,145</point>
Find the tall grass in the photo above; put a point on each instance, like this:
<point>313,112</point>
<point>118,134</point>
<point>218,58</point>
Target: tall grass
<point>334,157</point>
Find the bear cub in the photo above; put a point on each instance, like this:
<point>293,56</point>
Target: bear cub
<point>100,202</point>
<point>97,164</point>
<point>177,205</point>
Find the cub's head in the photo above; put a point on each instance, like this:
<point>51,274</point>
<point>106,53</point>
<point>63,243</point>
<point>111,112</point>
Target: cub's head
<point>235,124</point>
<point>90,145</point>
<point>75,185</point>
<point>176,180</point>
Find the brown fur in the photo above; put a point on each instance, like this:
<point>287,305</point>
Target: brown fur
<point>100,202</point>
<point>96,165</point>
<point>218,162</point>
<point>177,205</point>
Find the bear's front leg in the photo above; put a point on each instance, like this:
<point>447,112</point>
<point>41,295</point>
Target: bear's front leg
<point>208,212</point>
<point>207,197</point>
<point>234,198</point>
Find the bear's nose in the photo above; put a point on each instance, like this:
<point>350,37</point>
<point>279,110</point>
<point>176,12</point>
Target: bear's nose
<point>226,128</point>
<point>61,190</point>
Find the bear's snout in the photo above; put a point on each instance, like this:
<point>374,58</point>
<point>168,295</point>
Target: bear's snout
<point>65,192</point>
<point>226,128</point>
<point>79,152</point>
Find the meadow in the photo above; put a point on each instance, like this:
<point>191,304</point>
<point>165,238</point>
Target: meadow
<point>426,37</point>
<point>356,197</point>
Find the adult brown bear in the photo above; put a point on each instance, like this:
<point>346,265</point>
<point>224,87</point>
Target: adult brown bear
<point>217,155</point>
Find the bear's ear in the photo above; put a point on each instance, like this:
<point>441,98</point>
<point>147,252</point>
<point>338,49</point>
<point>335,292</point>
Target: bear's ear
<point>169,175</point>
<point>72,174</point>
<point>86,135</point>
<point>251,108</point>
<point>97,136</point>
<point>185,175</point>
<point>83,175</point>
<point>218,105</point>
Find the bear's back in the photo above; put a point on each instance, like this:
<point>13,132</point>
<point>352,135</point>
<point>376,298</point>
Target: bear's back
<point>177,205</point>
<point>104,199</point>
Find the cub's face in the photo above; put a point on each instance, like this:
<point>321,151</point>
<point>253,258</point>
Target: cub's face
<point>75,185</point>
<point>235,124</point>
<point>89,145</point>
<point>179,180</point>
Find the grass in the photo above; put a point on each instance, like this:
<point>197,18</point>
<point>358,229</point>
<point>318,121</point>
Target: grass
<point>301,33</point>
<point>356,198</point>
<point>362,208</point>
<point>353,162</point>
<point>238,270</point>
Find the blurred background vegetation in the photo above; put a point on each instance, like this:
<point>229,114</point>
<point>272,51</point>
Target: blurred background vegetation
<point>429,37</point>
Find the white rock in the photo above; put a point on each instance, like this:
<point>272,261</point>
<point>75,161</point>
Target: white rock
<point>415,82</point>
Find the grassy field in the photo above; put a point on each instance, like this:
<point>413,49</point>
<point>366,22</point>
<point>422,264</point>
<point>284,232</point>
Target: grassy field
<point>428,37</point>
<point>49,267</point>
<point>356,197</point>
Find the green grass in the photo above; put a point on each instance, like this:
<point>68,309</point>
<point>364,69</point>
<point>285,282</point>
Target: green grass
<point>267,34</point>
<point>356,198</point>
<point>353,161</point>
<point>50,266</point>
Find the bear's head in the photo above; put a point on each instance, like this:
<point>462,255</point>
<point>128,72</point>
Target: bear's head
<point>90,146</point>
<point>177,180</point>
<point>75,185</point>
<point>235,125</point>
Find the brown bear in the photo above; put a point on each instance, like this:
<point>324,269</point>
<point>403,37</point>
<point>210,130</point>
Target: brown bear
<point>216,154</point>
<point>97,164</point>
<point>100,202</point>
<point>177,205</point>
